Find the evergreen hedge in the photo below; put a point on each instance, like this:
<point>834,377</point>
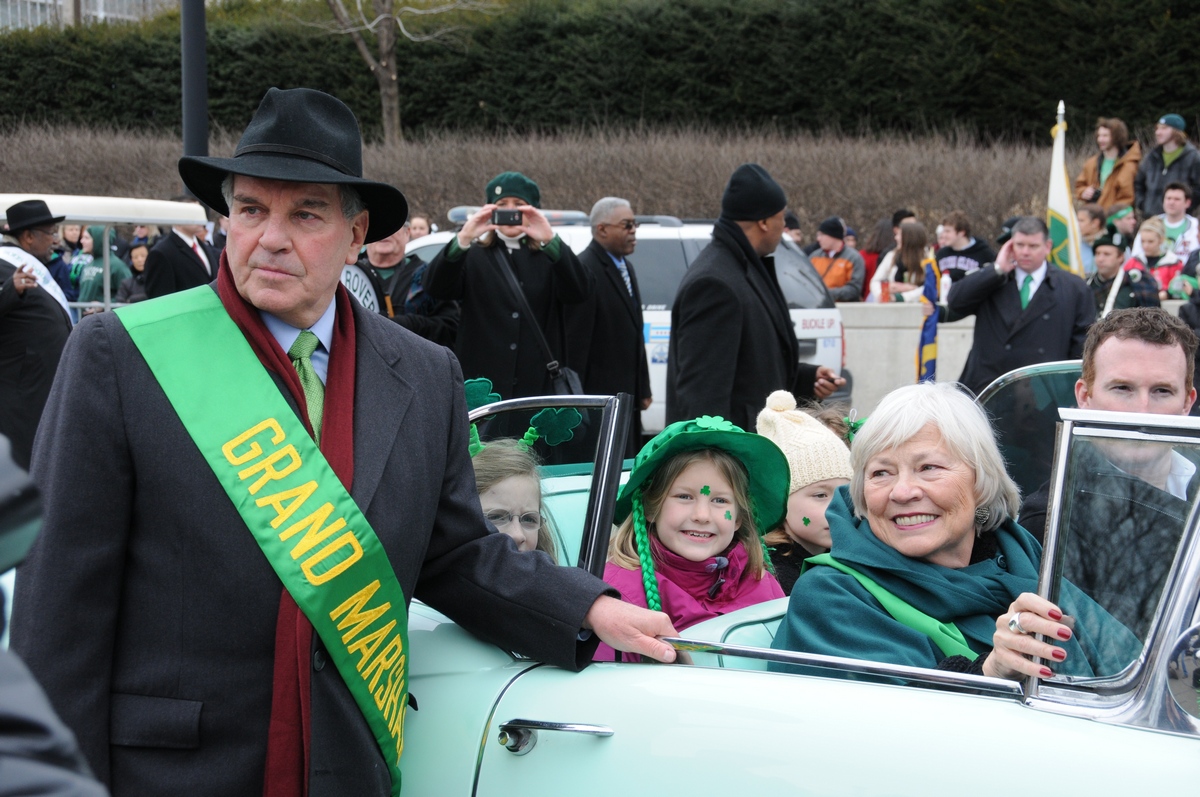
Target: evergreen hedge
<point>998,67</point>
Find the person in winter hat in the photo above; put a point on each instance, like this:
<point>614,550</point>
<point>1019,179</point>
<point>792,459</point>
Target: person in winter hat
<point>819,463</point>
<point>689,541</point>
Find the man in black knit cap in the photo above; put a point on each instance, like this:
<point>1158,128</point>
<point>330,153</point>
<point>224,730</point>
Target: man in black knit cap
<point>732,339</point>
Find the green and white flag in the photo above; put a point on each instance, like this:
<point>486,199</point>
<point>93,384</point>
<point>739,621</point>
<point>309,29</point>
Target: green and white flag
<point>1060,209</point>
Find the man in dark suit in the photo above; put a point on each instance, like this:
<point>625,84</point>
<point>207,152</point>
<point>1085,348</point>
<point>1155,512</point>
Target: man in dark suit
<point>34,325</point>
<point>605,340</point>
<point>181,259</point>
<point>732,340</point>
<point>148,607</point>
<point>1026,311</point>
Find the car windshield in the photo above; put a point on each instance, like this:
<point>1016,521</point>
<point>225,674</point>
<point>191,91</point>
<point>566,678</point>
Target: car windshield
<point>1124,509</point>
<point>564,442</point>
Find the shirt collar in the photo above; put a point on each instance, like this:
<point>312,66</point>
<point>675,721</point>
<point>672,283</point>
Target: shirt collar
<point>1182,470</point>
<point>189,240</point>
<point>620,261</point>
<point>285,334</point>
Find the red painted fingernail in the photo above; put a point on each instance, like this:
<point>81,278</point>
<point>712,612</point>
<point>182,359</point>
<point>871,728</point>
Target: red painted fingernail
<point>1059,654</point>
<point>1064,633</point>
<point>1055,614</point>
<point>1047,672</point>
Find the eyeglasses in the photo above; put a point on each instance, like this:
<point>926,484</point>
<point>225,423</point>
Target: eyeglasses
<point>625,224</point>
<point>530,521</point>
<point>47,233</point>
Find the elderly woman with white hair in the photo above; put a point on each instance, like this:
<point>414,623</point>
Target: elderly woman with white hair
<point>927,567</point>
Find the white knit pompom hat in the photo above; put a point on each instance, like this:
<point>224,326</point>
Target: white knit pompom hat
<point>813,452</point>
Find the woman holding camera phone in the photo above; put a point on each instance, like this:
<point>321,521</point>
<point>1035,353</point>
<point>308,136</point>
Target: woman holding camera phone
<point>505,240</point>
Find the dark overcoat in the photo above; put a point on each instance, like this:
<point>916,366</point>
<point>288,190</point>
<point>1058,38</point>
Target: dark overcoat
<point>33,330</point>
<point>733,341</point>
<point>605,333</point>
<point>172,266</point>
<point>1052,327</point>
<point>148,612</point>
<point>495,339</point>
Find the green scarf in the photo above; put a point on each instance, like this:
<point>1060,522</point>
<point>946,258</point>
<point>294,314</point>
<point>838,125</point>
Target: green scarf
<point>833,614</point>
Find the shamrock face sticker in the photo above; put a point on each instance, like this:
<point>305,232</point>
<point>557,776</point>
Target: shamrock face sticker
<point>805,521</point>
<point>728,515</point>
<point>706,490</point>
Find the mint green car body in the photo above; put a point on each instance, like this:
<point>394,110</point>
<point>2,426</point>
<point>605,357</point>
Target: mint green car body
<point>726,725</point>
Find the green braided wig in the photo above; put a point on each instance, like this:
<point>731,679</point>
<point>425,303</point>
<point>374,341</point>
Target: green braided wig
<point>758,532</point>
<point>642,537</point>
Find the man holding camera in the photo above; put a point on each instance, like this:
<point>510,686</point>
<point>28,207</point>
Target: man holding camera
<point>513,276</point>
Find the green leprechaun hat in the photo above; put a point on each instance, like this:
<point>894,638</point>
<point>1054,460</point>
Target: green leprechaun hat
<point>764,462</point>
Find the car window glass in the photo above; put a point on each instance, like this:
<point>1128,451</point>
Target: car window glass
<point>565,465</point>
<point>1024,414</point>
<point>1123,511</point>
<point>802,286</point>
<point>427,252</point>
<point>660,266</point>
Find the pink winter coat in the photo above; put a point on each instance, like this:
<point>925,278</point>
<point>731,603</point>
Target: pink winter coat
<point>691,592</point>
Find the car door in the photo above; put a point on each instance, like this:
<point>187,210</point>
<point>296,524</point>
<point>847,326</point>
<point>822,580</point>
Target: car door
<point>852,727</point>
<point>455,678</point>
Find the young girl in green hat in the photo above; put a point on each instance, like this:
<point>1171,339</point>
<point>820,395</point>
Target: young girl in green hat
<point>690,517</point>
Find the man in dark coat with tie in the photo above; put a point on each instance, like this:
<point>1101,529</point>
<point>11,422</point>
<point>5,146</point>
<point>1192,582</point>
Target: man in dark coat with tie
<point>732,340</point>
<point>604,333</point>
<point>150,607</point>
<point>180,260</point>
<point>1026,311</point>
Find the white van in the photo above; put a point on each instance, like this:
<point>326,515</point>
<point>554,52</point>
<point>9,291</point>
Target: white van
<point>666,247</point>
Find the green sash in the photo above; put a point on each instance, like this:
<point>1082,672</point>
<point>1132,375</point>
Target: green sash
<point>946,636</point>
<point>311,531</point>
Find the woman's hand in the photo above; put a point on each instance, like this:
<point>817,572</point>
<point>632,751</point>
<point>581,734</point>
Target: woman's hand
<point>1012,651</point>
<point>479,224</point>
<point>535,225</point>
<point>902,287</point>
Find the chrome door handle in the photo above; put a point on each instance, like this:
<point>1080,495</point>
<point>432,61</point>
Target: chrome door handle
<point>519,736</point>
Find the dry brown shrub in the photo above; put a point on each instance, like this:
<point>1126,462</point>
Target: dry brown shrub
<point>674,172</point>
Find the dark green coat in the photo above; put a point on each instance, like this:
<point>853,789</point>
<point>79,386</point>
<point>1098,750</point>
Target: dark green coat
<point>832,614</point>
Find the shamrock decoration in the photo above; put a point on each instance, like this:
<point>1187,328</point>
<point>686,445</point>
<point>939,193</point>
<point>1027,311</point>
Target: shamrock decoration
<point>475,444</point>
<point>805,520</point>
<point>715,423</point>
<point>853,424</point>
<point>706,490</point>
<point>554,425</point>
<point>479,393</point>
<point>728,515</point>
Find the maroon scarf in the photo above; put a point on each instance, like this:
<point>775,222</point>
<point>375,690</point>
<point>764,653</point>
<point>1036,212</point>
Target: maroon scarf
<point>289,736</point>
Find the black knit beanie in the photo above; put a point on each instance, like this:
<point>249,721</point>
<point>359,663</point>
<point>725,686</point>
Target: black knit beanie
<point>752,195</point>
<point>833,227</point>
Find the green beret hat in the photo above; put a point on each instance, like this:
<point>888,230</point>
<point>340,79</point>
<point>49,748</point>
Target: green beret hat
<point>513,184</point>
<point>764,462</point>
<point>1112,238</point>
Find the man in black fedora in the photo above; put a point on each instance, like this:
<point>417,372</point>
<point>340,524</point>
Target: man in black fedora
<point>34,323</point>
<point>245,481</point>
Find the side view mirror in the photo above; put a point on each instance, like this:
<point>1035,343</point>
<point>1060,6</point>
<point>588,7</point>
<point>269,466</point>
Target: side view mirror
<point>1183,671</point>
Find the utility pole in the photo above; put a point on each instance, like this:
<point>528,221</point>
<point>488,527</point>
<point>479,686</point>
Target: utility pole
<point>192,35</point>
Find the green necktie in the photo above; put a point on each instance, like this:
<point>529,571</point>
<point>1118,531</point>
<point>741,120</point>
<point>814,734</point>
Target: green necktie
<point>1025,287</point>
<point>314,391</point>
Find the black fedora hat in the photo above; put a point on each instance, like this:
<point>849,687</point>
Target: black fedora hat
<point>30,213</point>
<point>301,136</point>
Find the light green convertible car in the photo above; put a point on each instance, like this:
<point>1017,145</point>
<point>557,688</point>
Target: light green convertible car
<point>486,722</point>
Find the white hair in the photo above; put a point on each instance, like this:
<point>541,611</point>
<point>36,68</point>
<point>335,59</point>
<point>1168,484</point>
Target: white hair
<point>352,201</point>
<point>965,431</point>
<point>603,209</point>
